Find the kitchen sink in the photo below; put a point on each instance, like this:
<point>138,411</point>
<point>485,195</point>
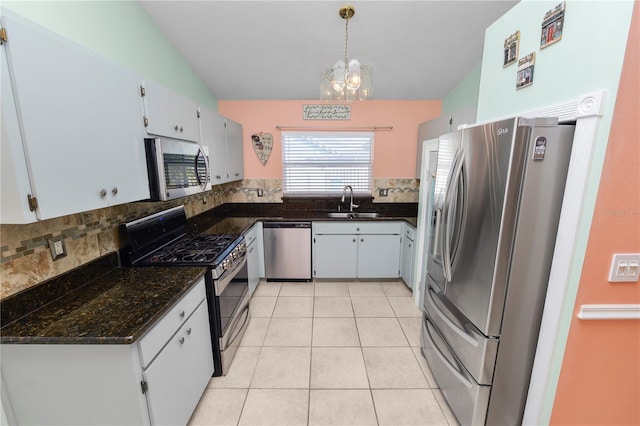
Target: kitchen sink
<point>353,215</point>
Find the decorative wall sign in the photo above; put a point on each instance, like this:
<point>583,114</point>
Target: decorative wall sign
<point>525,71</point>
<point>552,26</point>
<point>326,112</point>
<point>511,46</point>
<point>262,145</point>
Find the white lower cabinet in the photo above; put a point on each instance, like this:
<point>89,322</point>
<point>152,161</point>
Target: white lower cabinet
<point>408,254</point>
<point>156,381</point>
<point>335,256</point>
<point>255,256</point>
<point>178,376</point>
<point>379,256</point>
<point>351,249</point>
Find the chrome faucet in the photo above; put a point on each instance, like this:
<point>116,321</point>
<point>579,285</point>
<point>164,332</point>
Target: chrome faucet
<point>344,193</point>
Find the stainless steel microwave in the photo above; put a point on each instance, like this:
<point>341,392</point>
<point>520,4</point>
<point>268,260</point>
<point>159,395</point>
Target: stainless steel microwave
<point>176,168</point>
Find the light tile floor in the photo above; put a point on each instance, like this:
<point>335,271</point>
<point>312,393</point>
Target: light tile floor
<point>327,353</point>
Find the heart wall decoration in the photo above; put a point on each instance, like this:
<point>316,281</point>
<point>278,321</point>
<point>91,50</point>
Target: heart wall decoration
<point>262,145</point>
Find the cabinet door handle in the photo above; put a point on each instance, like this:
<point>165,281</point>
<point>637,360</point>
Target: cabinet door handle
<point>189,331</point>
<point>181,314</point>
<point>114,191</point>
<point>181,340</point>
<point>176,128</point>
<point>181,129</point>
<point>362,240</point>
<point>354,240</point>
<point>103,193</point>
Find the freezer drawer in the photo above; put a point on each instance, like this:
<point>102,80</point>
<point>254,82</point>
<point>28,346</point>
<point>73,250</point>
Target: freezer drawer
<point>467,399</point>
<point>476,351</point>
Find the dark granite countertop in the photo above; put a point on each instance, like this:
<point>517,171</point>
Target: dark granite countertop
<point>238,218</point>
<point>116,308</point>
<point>101,303</point>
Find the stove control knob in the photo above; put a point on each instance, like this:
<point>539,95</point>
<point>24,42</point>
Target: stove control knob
<point>242,247</point>
<point>226,264</point>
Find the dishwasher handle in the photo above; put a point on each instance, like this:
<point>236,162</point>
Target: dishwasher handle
<point>286,225</point>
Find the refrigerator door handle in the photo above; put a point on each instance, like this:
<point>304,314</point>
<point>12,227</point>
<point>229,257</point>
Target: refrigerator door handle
<point>444,359</point>
<point>437,245</point>
<point>458,328</point>
<point>453,183</point>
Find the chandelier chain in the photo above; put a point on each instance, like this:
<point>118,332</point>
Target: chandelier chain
<point>346,45</point>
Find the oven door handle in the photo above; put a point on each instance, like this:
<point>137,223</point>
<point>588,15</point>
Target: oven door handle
<point>221,284</point>
<point>235,331</point>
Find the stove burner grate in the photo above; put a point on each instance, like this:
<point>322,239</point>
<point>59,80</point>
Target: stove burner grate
<point>198,249</point>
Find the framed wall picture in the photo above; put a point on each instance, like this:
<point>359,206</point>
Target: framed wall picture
<point>525,71</point>
<point>511,46</point>
<point>552,26</point>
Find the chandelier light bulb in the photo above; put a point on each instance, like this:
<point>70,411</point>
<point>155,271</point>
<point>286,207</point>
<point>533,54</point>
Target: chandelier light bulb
<point>338,81</point>
<point>353,77</point>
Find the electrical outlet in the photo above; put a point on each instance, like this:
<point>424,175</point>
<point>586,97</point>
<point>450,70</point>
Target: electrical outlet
<point>57,247</point>
<point>384,192</point>
<point>260,192</point>
<point>625,268</point>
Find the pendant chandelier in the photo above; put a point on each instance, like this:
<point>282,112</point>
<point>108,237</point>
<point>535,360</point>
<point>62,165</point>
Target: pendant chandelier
<point>348,79</point>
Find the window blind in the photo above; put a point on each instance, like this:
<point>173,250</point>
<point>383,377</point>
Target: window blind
<point>322,163</point>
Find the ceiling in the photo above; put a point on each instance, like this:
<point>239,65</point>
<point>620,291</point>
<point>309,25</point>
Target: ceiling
<point>276,50</point>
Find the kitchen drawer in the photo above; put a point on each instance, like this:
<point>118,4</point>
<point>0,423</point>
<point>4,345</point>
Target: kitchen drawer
<point>409,232</point>
<point>151,343</point>
<point>251,234</point>
<point>357,227</point>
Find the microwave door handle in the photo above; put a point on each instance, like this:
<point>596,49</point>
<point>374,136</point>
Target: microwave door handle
<point>207,176</point>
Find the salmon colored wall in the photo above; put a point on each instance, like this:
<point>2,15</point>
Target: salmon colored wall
<point>394,151</point>
<point>600,378</point>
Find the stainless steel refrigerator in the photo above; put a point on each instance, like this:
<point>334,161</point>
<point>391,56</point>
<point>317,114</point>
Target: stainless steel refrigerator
<point>496,206</point>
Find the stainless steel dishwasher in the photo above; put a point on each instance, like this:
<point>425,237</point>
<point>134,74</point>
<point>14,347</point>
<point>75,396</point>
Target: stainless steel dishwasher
<point>287,251</point>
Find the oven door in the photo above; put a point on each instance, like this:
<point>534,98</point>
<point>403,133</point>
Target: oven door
<point>176,168</point>
<point>232,296</point>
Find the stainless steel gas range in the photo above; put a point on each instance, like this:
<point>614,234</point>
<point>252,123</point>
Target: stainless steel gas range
<point>162,239</point>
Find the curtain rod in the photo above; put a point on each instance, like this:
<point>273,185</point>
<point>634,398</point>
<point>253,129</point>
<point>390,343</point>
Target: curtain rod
<point>365,128</point>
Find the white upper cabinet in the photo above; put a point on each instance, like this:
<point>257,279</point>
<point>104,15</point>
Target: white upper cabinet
<point>224,139</point>
<point>235,161</point>
<point>16,189</point>
<point>78,117</point>
<point>168,113</point>
<point>213,135</point>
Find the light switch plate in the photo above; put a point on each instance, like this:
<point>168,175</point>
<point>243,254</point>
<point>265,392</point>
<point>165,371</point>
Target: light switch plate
<point>625,268</point>
<point>57,247</point>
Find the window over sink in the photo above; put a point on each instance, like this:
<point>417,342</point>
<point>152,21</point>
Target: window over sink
<point>322,163</point>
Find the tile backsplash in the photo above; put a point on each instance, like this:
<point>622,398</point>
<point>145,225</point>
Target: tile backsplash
<point>25,259</point>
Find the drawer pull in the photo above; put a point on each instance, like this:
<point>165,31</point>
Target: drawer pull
<point>181,314</point>
<point>181,340</point>
<point>189,331</point>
